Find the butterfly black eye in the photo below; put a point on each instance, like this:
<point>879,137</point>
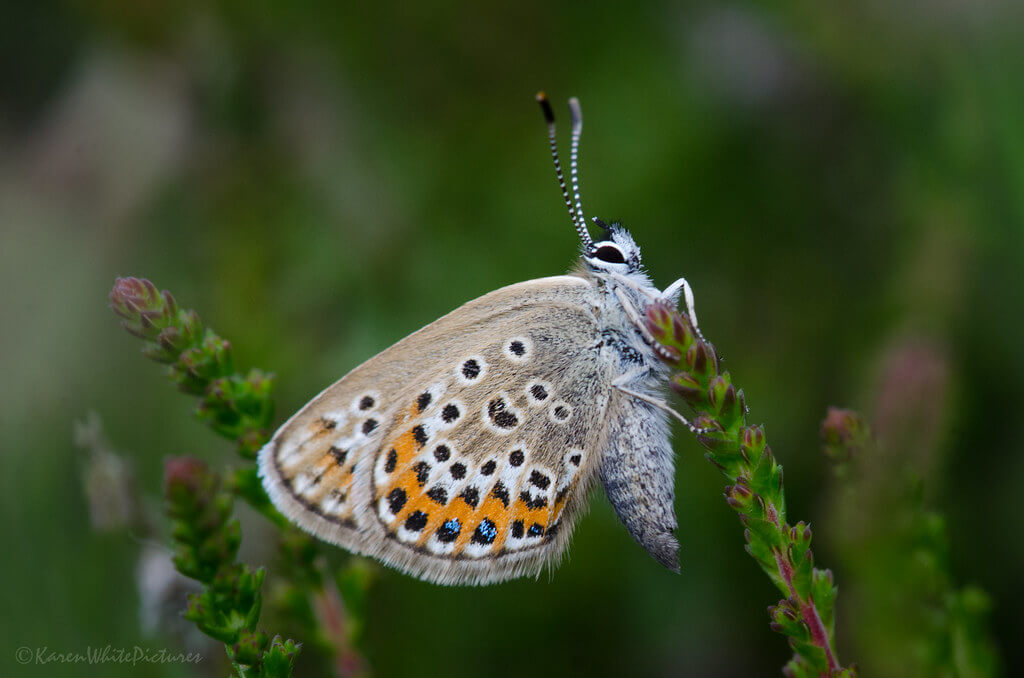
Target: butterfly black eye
<point>610,254</point>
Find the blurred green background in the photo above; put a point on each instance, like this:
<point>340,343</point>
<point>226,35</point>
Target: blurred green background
<point>842,184</point>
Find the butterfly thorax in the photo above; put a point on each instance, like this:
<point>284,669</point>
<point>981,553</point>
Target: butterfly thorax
<point>613,267</point>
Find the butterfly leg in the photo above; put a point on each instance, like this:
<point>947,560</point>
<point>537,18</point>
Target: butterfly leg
<point>620,384</point>
<point>671,294</point>
<point>634,317</point>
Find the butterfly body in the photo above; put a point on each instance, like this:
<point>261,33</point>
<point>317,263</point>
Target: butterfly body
<point>463,453</point>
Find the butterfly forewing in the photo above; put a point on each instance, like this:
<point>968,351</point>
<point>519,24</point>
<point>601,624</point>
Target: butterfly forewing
<point>462,453</point>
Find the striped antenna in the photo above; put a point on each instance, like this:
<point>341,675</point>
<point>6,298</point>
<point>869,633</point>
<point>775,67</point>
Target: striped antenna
<point>574,154</point>
<point>549,117</point>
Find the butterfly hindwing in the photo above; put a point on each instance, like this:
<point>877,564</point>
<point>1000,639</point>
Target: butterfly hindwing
<point>319,466</point>
<point>462,453</point>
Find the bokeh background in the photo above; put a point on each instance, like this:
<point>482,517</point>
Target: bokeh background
<point>842,183</point>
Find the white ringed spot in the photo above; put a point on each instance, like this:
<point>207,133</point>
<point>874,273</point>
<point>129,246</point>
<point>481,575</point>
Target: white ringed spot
<point>364,403</point>
<point>332,420</point>
<point>365,428</point>
<point>560,412</point>
<point>537,392</point>
<point>429,397</point>
<point>573,459</point>
<point>442,542</point>
<point>499,415</point>
<point>471,370</point>
<point>518,349</point>
<point>449,415</point>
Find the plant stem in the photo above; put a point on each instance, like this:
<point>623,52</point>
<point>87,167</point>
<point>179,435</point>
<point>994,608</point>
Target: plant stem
<point>809,613</point>
<point>755,492</point>
<point>330,610</point>
<point>808,610</point>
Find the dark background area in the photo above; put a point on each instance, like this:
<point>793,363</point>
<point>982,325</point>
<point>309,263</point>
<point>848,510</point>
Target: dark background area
<point>841,183</point>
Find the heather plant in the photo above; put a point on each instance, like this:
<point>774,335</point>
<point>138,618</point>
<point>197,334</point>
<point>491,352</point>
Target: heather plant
<point>200,503</point>
<point>911,617</point>
<point>806,612</point>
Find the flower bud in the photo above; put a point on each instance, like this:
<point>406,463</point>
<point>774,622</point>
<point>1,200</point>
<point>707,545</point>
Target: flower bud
<point>843,434</point>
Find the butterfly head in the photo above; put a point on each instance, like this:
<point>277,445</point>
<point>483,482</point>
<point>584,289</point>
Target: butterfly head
<point>616,252</point>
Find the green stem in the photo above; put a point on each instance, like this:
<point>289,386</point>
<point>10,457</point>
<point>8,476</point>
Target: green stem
<point>809,612</point>
<point>755,492</point>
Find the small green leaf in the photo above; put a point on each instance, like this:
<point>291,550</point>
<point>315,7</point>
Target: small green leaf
<point>278,660</point>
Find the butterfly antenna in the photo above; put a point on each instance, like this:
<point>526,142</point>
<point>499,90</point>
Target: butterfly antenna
<point>549,117</point>
<point>576,115</point>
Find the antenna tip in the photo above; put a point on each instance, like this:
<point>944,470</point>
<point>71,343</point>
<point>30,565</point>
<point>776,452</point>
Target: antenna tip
<point>576,114</point>
<point>545,106</point>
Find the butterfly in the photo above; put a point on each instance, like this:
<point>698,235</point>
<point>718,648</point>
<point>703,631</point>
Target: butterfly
<point>464,453</point>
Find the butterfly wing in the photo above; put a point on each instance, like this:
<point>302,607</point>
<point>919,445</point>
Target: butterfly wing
<point>462,454</point>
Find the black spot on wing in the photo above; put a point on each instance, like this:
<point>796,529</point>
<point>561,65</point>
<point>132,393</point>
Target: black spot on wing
<point>533,503</point>
<point>422,472</point>
<point>339,455</point>
<point>485,532</point>
<point>500,416</point>
<point>500,492</point>
<point>471,369</point>
<point>416,521</point>
<point>397,499</point>
<point>449,530</point>
<point>450,413</point>
<point>471,496</point>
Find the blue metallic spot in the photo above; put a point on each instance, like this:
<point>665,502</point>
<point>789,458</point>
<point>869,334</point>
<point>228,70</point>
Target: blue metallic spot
<point>449,530</point>
<point>485,532</point>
